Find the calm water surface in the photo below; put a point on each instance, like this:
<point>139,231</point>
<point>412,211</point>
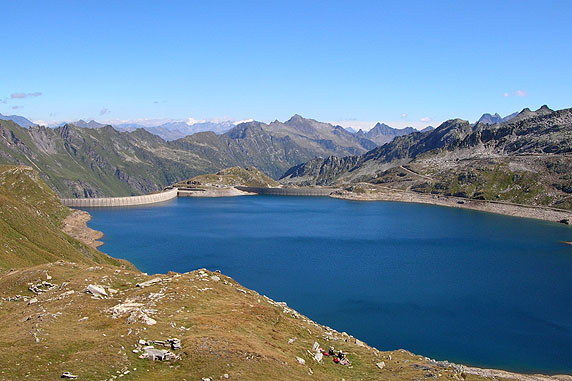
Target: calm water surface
<point>466,286</point>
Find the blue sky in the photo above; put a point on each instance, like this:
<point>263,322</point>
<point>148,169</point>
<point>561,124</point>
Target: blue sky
<point>401,62</point>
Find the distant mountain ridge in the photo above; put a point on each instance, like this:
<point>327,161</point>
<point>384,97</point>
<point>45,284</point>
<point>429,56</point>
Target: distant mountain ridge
<point>381,133</point>
<point>20,120</point>
<point>496,118</point>
<point>179,129</point>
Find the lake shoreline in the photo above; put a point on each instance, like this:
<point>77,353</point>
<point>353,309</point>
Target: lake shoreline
<point>75,225</point>
<point>507,209</point>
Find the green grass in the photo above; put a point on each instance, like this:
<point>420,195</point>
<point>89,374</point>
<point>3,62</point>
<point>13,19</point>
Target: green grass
<point>31,218</point>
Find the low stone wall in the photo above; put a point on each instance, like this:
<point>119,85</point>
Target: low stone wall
<point>121,201</point>
<point>289,191</point>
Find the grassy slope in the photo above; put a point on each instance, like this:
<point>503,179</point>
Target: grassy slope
<point>30,224</point>
<point>223,328</point>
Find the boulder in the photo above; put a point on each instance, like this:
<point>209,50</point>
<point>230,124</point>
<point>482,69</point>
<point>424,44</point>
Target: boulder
<point>175,343</point>
<point>96,290</point>
<point>318,356</point>
<point>157,354</point>
<point>68,375</point>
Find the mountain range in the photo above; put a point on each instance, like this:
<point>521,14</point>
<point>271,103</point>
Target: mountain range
<point>526,159</point>
<point>102,161</point>
<point>93,160</point>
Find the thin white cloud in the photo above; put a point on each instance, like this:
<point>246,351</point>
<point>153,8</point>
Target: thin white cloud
<point>403,116</point>
<point>191,121</point>
<point>520,93</point>
<point>49,123</point>
<point>24,95</point>
<point>516,93</point>
<point>425,119</point>
<point>242,121</point>
<point>104,111</point>
<point>17,107</point>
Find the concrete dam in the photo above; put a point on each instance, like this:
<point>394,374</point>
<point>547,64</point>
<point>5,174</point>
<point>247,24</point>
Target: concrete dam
<point>166,195</point>
<point>172,193</point>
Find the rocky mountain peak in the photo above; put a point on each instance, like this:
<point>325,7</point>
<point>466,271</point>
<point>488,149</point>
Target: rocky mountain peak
<point>544,109</point>
<point>295,119</point>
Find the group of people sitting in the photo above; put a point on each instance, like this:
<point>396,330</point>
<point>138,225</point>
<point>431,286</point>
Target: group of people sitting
<point>339,358</point>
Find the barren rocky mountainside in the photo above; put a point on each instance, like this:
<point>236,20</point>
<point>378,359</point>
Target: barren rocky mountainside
<point>527,159</point>
<point>93,162</point>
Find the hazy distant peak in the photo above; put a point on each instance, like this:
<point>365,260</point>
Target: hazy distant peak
<point>351,130</point>
<point>91,124</point>
<point>19,120</point>
<point>496,118</point>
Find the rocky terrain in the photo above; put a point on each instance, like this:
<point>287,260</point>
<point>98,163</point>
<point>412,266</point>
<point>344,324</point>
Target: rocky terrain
<point>525,160</point>
<point>101,161</point>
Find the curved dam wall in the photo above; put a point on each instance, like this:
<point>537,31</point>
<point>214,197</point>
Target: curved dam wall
<point>121,201</point>
<point>289,191</point>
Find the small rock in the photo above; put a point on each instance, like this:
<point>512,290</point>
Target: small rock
<point>96,291</point>
<point>300,360</point>
<point>290,341</point>
<point>380,364</point>
<point>225,375</point>
<point>315,347</point>
<point>68,375</point>
<point>215,278</point>
<point>142,342</point>
<point>83,318</point>
<point>175,343</point>
<point>318,357</point>
<point>149,282</point>
<point>360,343</point>
<point>32,301</point>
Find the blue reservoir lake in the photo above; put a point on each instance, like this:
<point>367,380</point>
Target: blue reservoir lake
<point>451,284</point>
